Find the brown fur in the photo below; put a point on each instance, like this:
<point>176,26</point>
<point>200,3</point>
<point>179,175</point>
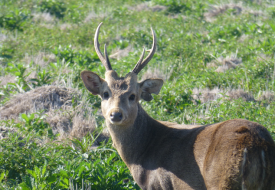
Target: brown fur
<point>234,154</point>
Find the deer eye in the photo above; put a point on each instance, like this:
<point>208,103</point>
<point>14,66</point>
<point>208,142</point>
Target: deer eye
<point>105,95</point>
<point>132,97</point>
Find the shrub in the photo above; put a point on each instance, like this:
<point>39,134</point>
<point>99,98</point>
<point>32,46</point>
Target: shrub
<point>56,8</point>
<point>15,20</point>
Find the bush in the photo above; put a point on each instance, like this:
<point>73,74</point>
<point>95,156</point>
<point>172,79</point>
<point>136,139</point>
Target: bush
<point>15,20</point>
<point>56,8</point>
<point>174,6</point>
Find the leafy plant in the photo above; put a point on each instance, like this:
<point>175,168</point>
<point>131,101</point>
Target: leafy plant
<point>39,179</point>
<point>19,70</point>
<point>71,56</point>
<point>54,7</point>
<point>36,124</point>
<point>3,176</point>
<point>6,91</point>
<point>175,6</point>
<point>15,20</point>
<point>43,78</point>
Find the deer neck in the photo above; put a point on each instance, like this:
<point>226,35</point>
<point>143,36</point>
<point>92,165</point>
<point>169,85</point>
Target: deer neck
<point>131,141</point>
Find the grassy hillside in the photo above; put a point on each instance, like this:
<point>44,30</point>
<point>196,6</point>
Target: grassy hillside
<point>216,57</point>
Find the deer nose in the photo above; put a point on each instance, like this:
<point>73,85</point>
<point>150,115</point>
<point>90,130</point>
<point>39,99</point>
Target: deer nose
<point>116,116</point>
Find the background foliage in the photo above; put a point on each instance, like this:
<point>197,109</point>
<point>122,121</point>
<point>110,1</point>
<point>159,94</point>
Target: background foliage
<point>195,38</point>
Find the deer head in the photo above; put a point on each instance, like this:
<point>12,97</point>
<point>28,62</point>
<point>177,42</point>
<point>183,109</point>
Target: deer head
<point>120,95</point>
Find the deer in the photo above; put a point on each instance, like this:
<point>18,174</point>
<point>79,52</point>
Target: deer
<point>234,154</point>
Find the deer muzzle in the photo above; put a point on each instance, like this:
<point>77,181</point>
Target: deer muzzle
<point>116,116</point>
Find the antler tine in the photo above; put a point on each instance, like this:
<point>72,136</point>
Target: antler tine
<point>105,61</point>
<point>141,64</point>
<point>140,60</point>
<point>107,58</point>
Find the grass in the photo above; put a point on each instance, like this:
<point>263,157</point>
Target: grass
<point>49,42</point>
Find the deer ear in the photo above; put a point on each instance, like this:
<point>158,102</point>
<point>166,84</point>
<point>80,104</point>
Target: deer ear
<point>150,86</point>
<point>92,81</point>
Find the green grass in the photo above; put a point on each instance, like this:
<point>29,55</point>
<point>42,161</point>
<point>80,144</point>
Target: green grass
<point>32,158</point>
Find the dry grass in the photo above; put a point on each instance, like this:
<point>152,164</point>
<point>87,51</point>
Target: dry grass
<point>240,93</point>
<point>267,96</point>
<point>48,26</point>
<point>243,38</point>
<point>66,26</point>
<point>4,80</point>
<point>224,64</point>
<point>217,10</point>
<point>256,13</point>
<point>263,57</point>
<point>154,73</point>
<point>41,98</point>
<point>160,71</point>
<point>120,53</point>
<point>42,59</point>
<point>3,37</point>
<point>70,121</point>
<point>43,18</point>
<point>146,7</point>
<point>207,95</point>
<point>158,8</point>
<point>93,15</point>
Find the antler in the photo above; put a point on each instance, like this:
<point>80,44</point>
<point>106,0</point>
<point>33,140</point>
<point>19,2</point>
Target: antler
<point>105,61</point>
<point>142,63</point>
